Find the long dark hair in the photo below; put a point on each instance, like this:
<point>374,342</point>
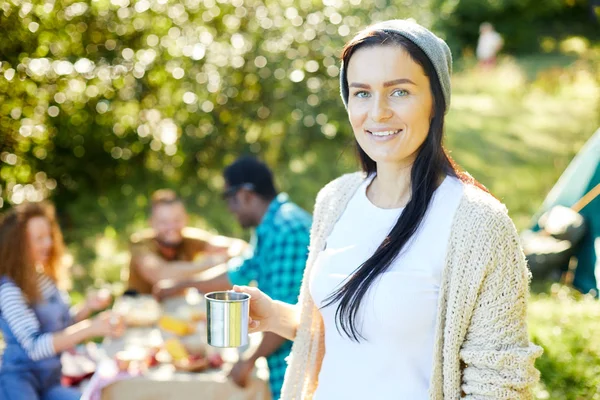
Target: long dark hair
<point>431,163</point>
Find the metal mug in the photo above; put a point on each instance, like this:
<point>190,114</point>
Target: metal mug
<point>227,318</point>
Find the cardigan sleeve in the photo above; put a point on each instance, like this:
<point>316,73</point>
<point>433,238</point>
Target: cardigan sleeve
<point>498,357</point>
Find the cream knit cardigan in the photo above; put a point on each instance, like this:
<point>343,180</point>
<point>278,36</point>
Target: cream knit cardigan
<point>482,350</point>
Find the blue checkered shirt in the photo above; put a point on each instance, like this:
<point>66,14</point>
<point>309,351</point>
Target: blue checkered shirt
<point>276,263</point>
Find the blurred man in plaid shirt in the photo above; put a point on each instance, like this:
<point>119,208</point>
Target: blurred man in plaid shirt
<point>275,260</point>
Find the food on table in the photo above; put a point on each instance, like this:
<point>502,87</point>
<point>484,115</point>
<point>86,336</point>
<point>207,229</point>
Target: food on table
<point>137,311</point>
<point>176,349</point>
<point>215,360</point>
<point>185,360</point>
<point>190,312</point>
<point>127,358</point>
<point>195,345</point>
<point>192,364</point>
<point>122,362</point>
<point>197,315</point>
<point>152,360</point>
<point>175,325</point>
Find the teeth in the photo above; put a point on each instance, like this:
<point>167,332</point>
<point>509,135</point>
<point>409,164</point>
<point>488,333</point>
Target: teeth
<point>384,133</point>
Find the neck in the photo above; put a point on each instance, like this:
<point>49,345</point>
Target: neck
<point>40,268</point>
<point>261,209</point>
<point>167,250</point>
<point>391,187</point>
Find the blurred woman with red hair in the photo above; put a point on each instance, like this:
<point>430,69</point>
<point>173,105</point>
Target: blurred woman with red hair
<point>35,319</point>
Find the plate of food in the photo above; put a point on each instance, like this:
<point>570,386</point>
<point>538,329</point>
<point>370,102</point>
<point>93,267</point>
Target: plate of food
<point>189,355</point>
<point>192,364</point>
<point>138,311</point>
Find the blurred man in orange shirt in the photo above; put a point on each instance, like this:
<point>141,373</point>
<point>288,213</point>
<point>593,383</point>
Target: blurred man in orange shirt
<point>170,250</point>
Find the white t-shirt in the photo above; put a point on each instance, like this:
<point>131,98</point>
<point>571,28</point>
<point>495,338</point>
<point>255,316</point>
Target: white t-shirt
<point>398,314</point>
<point>488,45</point>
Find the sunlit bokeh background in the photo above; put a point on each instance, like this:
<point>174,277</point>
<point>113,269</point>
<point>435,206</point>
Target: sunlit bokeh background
<point>102,102</point>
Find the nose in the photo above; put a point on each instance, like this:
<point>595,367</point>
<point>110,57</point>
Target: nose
<point>380,111</point>
<point>47,243</point>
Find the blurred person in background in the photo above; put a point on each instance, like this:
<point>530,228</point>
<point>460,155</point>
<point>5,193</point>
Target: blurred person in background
<point>35,319</point>
<point>489,44</point>
<point>275,261</point>
<point>170,250</point>
<point>416,285</point>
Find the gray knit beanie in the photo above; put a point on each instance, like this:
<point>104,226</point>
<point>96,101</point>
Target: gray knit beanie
<point>435,48</point>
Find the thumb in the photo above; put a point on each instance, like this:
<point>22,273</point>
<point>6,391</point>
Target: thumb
<point>254,293</point>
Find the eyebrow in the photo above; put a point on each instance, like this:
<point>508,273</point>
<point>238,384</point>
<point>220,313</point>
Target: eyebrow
<point>385,84</point>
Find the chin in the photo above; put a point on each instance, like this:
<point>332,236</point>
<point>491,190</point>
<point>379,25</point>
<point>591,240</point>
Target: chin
<point>43,261</point>
<point>391,156</point>
<point>386,159</point>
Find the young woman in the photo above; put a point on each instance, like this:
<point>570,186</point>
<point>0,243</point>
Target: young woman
<point>415,285</point>
<point>35,319</point>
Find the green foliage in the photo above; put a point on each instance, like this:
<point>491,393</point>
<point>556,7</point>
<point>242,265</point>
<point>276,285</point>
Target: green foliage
<point>523,23</point>
<point>101,95</point>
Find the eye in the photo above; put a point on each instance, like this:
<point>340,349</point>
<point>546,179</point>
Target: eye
<point>362,94</point>
<point>400,93</point>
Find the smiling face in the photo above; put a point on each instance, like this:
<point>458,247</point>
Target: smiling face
<point>40,241</point>
<point>389,103</point>
<point>168,221</point>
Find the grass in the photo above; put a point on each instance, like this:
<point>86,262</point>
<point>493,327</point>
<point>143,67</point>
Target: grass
<point>515,130</point>
<point>517,134</point>
<point>566,325</point>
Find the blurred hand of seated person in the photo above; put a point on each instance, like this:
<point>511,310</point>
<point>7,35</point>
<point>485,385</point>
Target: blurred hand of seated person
<point>212,280</point>
<point>95,300</point>
<point>98,300</point>
<point>166,288</point>
<point>172,251</point>
<point>108,324</point>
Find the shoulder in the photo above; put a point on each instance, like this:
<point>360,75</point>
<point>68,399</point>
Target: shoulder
<point>482,204</point>
<point>6,282</point>
<point>141,243</point>
<point>141,237</point>
<point>195,234</point>
<point>9,291</point>
<point>485,243</point>
<point>340,187</point>
<point>291,213</point>
<point>483,217</point>
<point>291,219</point>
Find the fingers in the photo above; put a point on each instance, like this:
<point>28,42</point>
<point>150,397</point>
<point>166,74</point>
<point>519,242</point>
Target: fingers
<point>254,293</point>
<point>117,325</point>
<point>160,292</point>
<point>253,326</point>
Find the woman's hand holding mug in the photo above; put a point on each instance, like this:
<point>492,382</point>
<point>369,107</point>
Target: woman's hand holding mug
<point>263,310</point>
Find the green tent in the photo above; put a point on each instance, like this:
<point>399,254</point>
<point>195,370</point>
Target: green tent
<point>581,176</point>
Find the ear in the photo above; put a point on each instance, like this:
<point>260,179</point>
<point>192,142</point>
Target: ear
<point>432,112</point>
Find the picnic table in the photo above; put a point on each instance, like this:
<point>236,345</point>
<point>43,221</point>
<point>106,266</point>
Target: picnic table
<point>165,382</point>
